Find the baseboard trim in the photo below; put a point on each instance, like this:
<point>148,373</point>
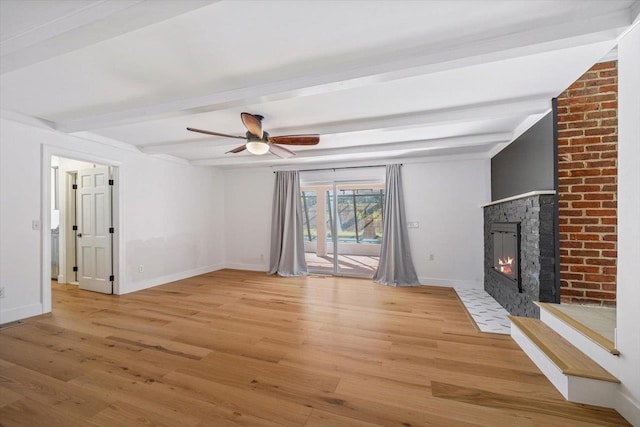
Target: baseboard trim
<point>19,313</point>
<point>628,408</point>
<point>157,281</point>
<point>247,267</point>
<point>450,283</point>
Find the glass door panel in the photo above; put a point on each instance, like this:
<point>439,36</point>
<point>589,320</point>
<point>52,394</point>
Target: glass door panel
<point>358,228</point>
<point>317,213</point>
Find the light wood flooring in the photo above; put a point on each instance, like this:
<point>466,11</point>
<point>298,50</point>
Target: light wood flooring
<point>236,348</point>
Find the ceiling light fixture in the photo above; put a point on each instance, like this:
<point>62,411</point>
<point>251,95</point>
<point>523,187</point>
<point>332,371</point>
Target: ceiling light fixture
<point>257,147</point>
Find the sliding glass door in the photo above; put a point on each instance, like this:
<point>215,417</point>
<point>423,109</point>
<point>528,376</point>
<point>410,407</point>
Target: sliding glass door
<point>343,227</point>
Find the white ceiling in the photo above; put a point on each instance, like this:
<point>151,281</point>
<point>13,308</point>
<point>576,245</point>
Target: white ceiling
<point>377,79</point>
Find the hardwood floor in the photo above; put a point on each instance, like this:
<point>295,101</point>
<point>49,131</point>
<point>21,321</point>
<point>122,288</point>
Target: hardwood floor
<point>240,348</point>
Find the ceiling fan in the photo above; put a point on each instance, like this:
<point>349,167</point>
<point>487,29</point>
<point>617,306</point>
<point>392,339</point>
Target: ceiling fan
<point>260,142</point>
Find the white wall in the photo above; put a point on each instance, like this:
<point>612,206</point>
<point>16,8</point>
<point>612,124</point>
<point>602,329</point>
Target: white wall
<point>628,315</point>
<point>445,198</point>
<point>248,199</point>
<point>172,215</point>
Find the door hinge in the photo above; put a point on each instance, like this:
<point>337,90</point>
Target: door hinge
<point>74,186</point>
<point>112,278</point>
<point>111,230</point>
<point>74,228</point>
<point>75,268</point>
<point>110,182</point>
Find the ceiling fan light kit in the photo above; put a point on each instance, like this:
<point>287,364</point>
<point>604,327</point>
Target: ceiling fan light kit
<point>259,142</point>
<point>257,147</point>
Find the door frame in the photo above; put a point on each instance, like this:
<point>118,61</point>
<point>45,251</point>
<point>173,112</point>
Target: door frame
<point>47,152</point>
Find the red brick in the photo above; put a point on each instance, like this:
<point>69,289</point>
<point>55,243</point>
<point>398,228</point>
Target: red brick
<point>601,147</point>
<point>601,164</point>
<point>584,253</point>
<point>570,149</point>
<point>599,245</point>
<point>598,196</point>
<point>569,133</point>
<point>600,131</point>
<point>600,180</point>
<point>584,269</point>
<point>577,205</point>
<point>584,221</point>
<point>608,73</point>
<point>601,114</point>
<point>607,89</point>
<point>601,212</point>
<point>598,261</point>
<point>572,292</point>
<point>603,66</point>
<point>585,188</point>
<point>601,295</point>
<point>585,172</point>
<point>600,229</point>
<point>604,278</point>
<point>576,108</point>
<point>586,156</point>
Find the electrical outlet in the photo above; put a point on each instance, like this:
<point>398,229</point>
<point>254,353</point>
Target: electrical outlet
<point>140,268</point>
<point>432,257</point>
<point>2,292</point>
<point>261,257</point>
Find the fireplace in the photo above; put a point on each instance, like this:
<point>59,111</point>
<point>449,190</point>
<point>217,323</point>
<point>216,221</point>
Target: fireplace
<point>520,252</point>
<point>505,237</point>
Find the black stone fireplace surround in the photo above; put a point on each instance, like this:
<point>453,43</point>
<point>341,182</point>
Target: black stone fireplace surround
<point>535,215</point>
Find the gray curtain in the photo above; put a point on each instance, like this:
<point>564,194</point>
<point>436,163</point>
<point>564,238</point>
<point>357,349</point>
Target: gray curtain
<point>396,266</point>
<point>287,244</point>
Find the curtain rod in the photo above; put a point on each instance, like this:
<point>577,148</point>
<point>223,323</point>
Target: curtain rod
<point>345,167</point>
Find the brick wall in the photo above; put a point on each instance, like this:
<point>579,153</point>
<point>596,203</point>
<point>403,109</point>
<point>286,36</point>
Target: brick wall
<point>587,186</point>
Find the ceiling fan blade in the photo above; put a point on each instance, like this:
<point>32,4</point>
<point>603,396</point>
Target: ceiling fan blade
<point>295,139</point>
<point>253,124</point>
<point>208,132</point>
<point>281,152</point>
<point>237,149</point>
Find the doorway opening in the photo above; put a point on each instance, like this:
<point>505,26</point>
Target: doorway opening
<point>82,220</point>
<point>343,227</point>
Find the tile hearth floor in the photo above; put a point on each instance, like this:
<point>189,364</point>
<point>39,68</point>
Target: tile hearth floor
<point>488,314</point>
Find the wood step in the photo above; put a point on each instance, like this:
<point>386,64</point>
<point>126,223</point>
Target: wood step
<point>580,327</point>
<point>568,359</point>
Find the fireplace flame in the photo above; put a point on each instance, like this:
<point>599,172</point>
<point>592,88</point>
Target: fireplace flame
<point>505,265</point>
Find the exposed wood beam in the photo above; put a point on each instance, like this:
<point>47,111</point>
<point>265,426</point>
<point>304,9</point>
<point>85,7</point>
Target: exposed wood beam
<point>381,150</point>
<point>88,25</point>
<point>508,43</point>
<point>525,106</point>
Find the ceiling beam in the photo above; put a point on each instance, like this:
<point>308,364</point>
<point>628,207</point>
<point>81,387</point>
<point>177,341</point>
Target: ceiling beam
<point>524,106</point>
<point>381,150</point>
<point>504,44</point>
<point>93,23</point>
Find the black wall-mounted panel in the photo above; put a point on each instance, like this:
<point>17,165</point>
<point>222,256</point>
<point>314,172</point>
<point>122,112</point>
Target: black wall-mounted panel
<point>527,164</point>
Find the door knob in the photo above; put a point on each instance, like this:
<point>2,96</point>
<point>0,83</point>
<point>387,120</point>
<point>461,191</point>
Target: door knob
<point>79,234</point>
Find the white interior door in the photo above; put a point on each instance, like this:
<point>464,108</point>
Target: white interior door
<point>94,238</point>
